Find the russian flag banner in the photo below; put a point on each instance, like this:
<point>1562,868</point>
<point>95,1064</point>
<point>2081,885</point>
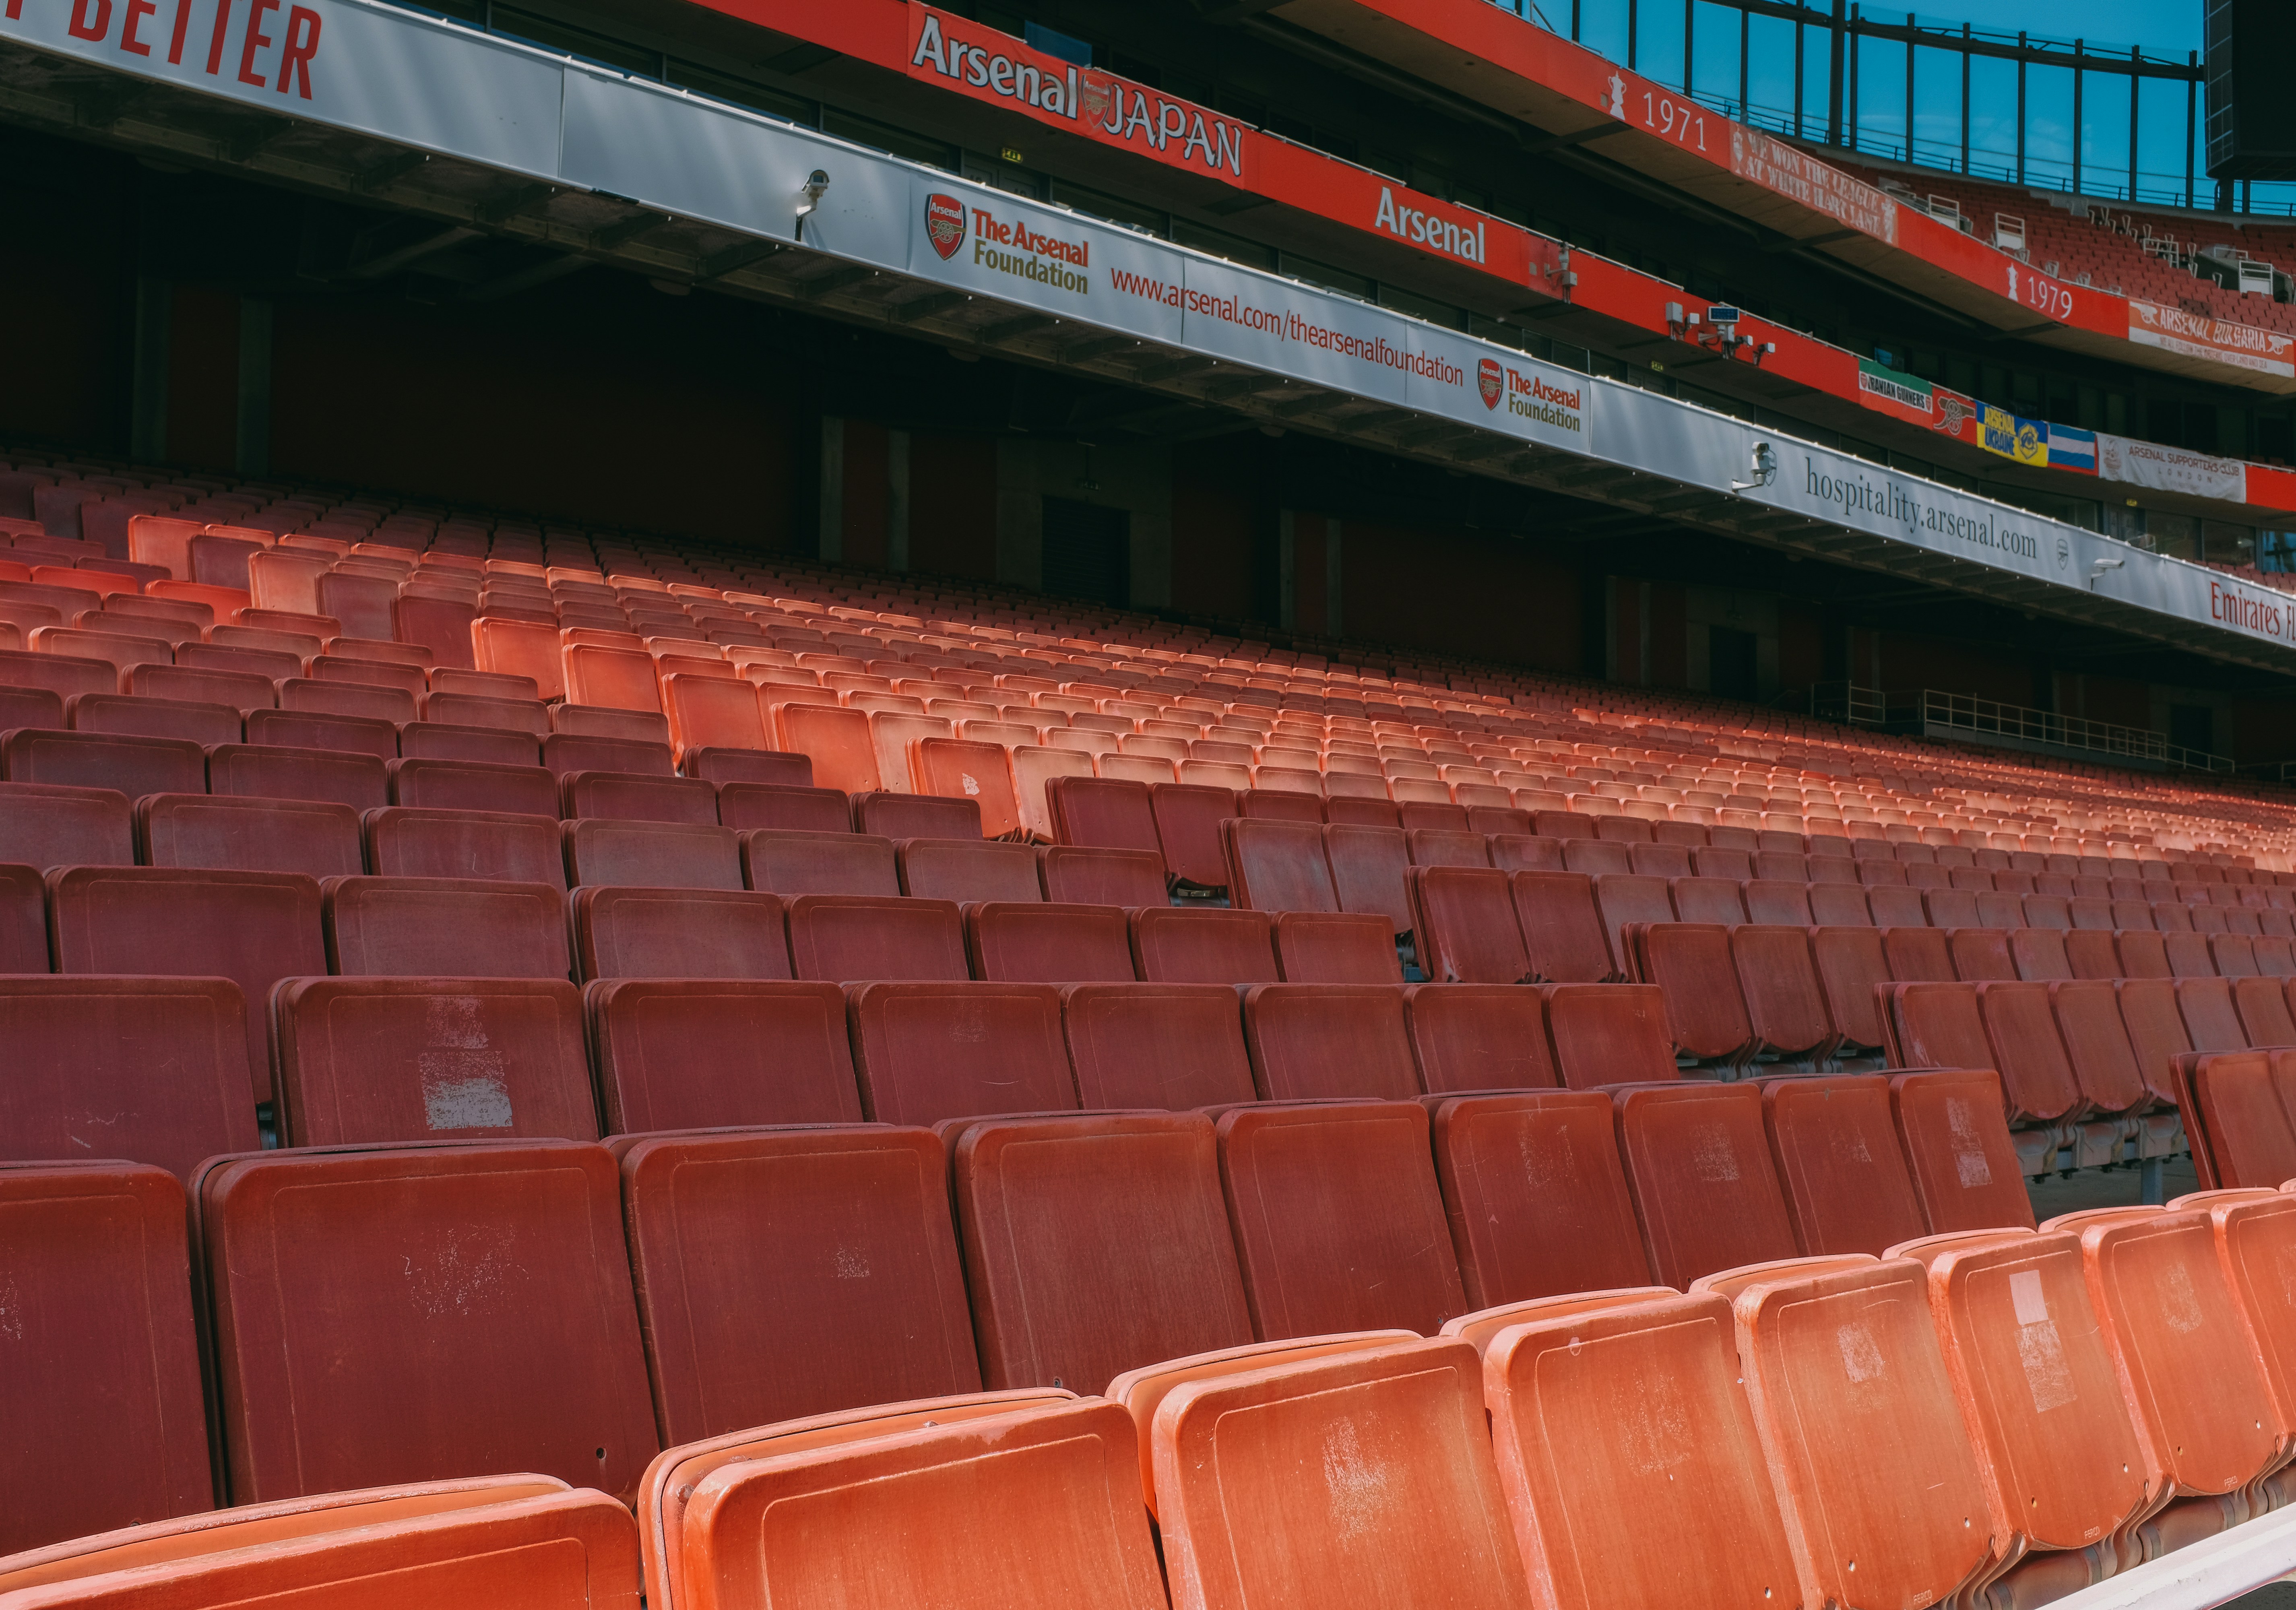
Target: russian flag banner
<point>2072,449</point>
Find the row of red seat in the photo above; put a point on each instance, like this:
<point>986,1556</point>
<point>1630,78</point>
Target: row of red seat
<point>1829,1429</point>
<point>375,1310</point>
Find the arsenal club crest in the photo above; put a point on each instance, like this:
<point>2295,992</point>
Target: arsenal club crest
<point>1489,379</point>
<point>945,224</point>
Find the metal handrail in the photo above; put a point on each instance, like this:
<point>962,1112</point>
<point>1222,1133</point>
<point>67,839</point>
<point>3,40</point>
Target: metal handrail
<point>1930,707</point>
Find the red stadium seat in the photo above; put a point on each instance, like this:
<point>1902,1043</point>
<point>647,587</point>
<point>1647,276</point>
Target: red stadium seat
<point>1339,1220</point>
<point>1169,1045</point>
<point>880,1318</point>
<point>1095,1244</point>
<point>133,766</point>
<point>352,1255</point>
<point>789,863</point>
<point>1478,1037</point>
<point>319,839</point>
<point>1561,930</point>
<point>927,1052</point>
<point>1705,1008</point>
<point>408,843</point>
<point>843,938</point>
<point>42,825</point>
<point>253,928</point>
<point>1337,1042</point>
<point>654,855</point>
<point>1522,1233</point>
<point>153,1070</point>
<point>472,785</point>
<point>425,927</point>
<point>567,751</point>
<point>1092,875</point>
<point>969,868</point>
<point>688,934</point>
<point>1277,865</point>
<point>1847,1184</point>
<point>695,1054</point>
<point>1188,820</point>
<point>1467,931</point>
<point>1334,948</point>
<point>396,1061</point>
<point>916,816</point>
<point>1031,942</point>
<point>1368,871</point>
<point>1697,1162</point>
<point>1966,1168</point>
<point>1171,944</point>
<point>106,1427</point>
<point>636,796</point>
<point>1608,1034</point>
<point>784,807</point>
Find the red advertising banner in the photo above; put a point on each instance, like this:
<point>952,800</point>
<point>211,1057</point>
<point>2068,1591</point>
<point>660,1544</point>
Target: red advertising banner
<point>978,61</point>
<point>2197,335</point>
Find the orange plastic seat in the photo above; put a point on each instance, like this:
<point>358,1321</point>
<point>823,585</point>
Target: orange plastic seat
<point>1691,964</point>
<point>1335,948</point>
<point>2193,1384</point>
<point>1268,1491</point>
<point>1874,1473</point>
<point>689,934</point>
<point>1054,1486</point>
<point>1277,865</point>
<point>1560,930</point>
<point>2235,1105</point>
<point>1847,1183</point>
<point>2062,1470</point>
<point>1622,1422</point>
<point>522,1542</point>
<point>1607,1034</point>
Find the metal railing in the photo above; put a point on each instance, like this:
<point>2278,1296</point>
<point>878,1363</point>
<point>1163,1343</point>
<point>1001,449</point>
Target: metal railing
<point>1927,709</point>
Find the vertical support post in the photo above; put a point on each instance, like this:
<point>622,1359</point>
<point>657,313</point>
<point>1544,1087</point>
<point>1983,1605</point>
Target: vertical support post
<point>897,500</point>
<point>147,424</point>
<point>1966,53</point>
<point>1331,573</point>
<point>1745,68</point>
<point>2152,1189</point>
<point>2021,106</point>
<point>2080,129</point>
<point>1857,37</point>
<point>1833,76</point>
<point>2136,103</point>
<point>1575,5</point>
<point>251,454</point>
<point>1801,33</point>
<point>1909,87</point>
<point>1634,30</point>
<point>1689,46</point>
<point>2192,120</point>
<point>832,546</point>
<point>1287,572</point>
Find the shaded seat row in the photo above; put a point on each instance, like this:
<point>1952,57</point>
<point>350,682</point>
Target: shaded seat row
<point>694,1284</point>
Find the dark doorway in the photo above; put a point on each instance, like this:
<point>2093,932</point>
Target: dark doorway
<point>1088,551</point>
<point>1730,662</point>
<point>2192,727</point>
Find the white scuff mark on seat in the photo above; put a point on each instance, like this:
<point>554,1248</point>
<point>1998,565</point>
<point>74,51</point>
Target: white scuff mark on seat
<point>1358,1485</point>
<point>464,1090</point>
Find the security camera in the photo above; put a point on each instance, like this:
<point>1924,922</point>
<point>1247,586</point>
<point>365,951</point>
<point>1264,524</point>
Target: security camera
<point>1764,465</point>
<point>817,185</point>
<point>2098,567</point>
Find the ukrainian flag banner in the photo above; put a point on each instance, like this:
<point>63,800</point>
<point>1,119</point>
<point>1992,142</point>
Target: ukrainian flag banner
<point>2026,440</point>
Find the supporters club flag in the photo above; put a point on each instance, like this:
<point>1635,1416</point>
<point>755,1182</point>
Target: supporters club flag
<point>2072,449</point>
<point>2025,441</point>
<point>1889,391</point>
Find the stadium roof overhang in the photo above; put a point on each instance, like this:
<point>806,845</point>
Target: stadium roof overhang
<point>582,164</point>
<point>1485,55</point>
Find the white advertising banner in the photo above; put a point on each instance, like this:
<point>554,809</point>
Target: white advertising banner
<point>439,86</point>
<point>2148,464</point>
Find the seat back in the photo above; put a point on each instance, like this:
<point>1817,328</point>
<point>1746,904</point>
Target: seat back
<point>884,1312</point>
<point>1536,1196</point>
<point>692,1054</point>
<point>1846,1180</point>
<point>1698,1163</point>
<point>351,1256</point>
<point>1151,1045</point>
<point>926,1052</point>
<point>1965,1167</point>
<point>1339,1221</point>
